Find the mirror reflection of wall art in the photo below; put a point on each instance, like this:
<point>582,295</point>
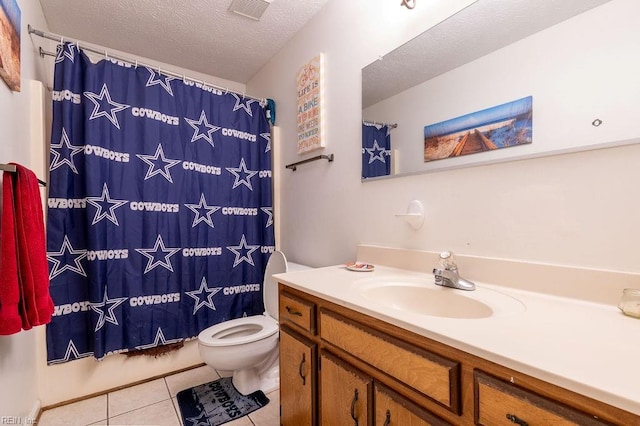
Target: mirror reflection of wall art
<point>10,43</point>
<point>310,105</point>
<point>498,127</point>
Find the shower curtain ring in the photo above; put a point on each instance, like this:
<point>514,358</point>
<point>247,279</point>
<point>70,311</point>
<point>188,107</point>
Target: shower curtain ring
<point>106,57</point>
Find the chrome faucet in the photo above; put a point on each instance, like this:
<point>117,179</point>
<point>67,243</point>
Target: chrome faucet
<point>447,275</point>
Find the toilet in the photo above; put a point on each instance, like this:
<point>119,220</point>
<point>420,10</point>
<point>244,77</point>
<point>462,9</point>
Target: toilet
<point>247,348</point>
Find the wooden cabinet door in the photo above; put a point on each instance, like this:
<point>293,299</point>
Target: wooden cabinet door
<point>345,393</point>
<point>297,379</point>
<point>394,410</point>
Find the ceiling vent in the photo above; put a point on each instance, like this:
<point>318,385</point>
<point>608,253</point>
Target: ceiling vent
<point>252,9</point>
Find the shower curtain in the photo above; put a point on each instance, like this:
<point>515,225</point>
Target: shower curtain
<point>160,218</point>
<point>376,150</point>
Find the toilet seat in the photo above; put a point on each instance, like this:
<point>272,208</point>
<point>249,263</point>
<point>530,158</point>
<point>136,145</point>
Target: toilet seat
<point>239,331</point>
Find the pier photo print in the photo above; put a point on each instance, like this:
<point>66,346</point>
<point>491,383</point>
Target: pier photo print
<point>501,126</point>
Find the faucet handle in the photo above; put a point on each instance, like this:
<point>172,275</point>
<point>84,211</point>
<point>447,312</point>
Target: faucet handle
<point>447,261</point>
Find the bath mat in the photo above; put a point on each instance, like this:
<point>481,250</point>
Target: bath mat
<point>217,403</point>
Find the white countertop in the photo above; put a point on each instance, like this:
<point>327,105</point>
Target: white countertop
<point>589,348</point>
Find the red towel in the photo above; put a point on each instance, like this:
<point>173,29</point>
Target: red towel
<point>29,251</point>
<point>10,321</point>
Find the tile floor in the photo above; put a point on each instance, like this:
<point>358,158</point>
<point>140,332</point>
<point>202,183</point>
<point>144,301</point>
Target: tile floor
<point>151,403</point>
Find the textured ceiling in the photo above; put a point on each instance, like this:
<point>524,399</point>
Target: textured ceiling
<point>481,28</point>
<point>202,35</point>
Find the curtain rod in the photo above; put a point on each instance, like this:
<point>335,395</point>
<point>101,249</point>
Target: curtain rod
<point>104,51</point>
<point>375,123</point>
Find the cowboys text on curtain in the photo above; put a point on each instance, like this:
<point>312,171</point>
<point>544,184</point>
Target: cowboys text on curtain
<point>160,218</point>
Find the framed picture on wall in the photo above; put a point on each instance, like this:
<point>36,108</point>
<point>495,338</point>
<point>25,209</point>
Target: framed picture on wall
<point>10,43</point>
<point>498,127</point>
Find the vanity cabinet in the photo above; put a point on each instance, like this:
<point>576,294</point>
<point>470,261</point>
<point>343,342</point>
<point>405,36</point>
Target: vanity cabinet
<point>359,370</point>
<point>298,373</point>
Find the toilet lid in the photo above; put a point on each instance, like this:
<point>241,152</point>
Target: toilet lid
<point>277,264</point>
<point>239,331</point>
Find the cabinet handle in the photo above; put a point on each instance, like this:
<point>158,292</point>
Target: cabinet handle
<point>353,407</point>
<point>293,311</point>
<point>515,419</point>
<point>304,379</point>
<point>387,420</point>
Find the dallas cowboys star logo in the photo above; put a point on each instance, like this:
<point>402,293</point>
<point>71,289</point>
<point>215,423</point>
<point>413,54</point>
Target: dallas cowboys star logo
<point>269,212</point>
<point>201,208</point>
<point>108,316</point>
<point>63,153</point>
<point>71,351</point>
<point>158,255</point>
<point>243,247</point>
<point>102,103</point>
<point>267,136</point>
<point>203,296</point>
<point>242,169</point>
<point>110,205</point>
<point>244,104</point>
<point>159,341</point>
<point>376,152</point>
<point>66,251</point>
<point>162,80</point>
<point>202,129</point>
<point>201,420</point>
<point>65,51</point>
<point>152,160</point>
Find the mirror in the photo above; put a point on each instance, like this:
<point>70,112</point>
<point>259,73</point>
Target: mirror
<point>571,57</point>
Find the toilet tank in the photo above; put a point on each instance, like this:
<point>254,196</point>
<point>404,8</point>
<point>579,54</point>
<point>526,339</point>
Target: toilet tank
<point>277,264</point>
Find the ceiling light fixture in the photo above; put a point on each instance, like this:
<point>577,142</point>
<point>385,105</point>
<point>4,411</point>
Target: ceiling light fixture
<point>409,4</point>
<point>252,9</point>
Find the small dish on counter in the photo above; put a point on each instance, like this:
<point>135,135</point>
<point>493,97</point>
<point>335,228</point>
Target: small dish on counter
<point>360,267</point>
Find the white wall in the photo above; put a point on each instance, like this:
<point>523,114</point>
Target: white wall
<point>18,390</point>
<point>575,209</point>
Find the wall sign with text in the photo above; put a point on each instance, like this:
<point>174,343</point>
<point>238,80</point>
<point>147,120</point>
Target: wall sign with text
<point>310,105</point>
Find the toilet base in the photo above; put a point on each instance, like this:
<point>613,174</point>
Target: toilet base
<point>265,378</point>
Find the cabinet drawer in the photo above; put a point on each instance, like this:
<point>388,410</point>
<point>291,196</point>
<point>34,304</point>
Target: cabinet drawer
<point>298,311</point>
<point>393,409</point>
<point>434,376</point>
<point>501,403</point>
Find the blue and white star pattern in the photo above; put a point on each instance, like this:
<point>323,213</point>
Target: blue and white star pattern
<point>165,164</point>
<point>160,209</point>
<point>208,294</point>
<point>63,153</point>
<point>102,102</point>
<point>202,129</point>
<point>112,204</point>
<point>376,150</point>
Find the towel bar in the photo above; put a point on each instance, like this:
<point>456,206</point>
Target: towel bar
<point>12,169</point>
<point>293,166</point>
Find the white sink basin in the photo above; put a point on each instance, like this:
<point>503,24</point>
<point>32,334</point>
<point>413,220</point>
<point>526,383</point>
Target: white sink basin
<point>423,297</point>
